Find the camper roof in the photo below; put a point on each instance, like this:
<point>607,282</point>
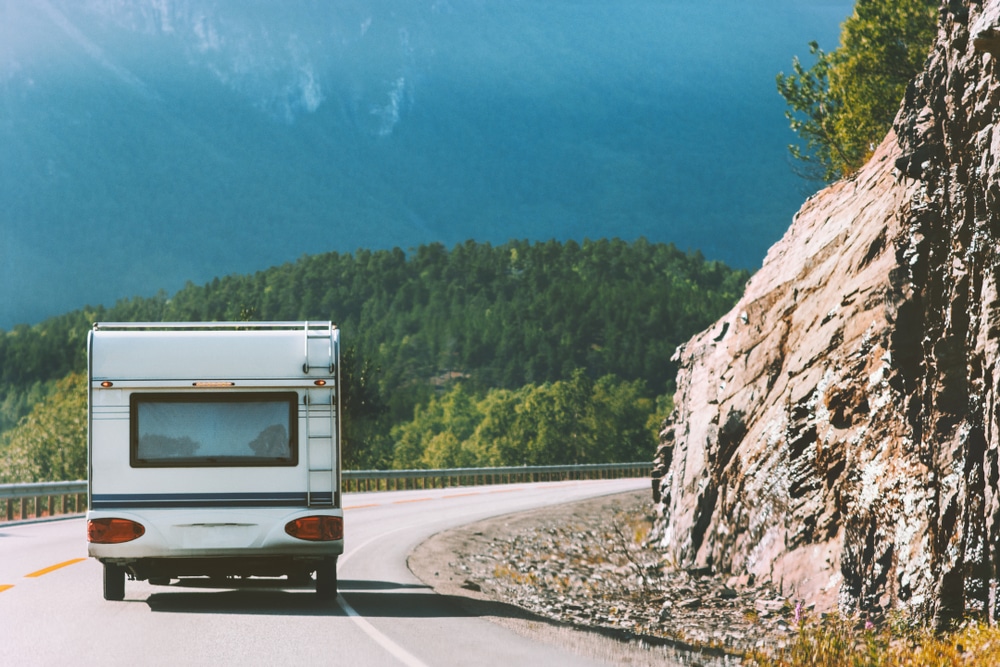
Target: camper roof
<point>212,350</point>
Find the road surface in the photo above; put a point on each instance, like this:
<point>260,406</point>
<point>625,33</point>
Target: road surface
<point>52,611</point>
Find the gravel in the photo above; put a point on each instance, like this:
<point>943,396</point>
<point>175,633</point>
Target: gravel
<point>585,567</point>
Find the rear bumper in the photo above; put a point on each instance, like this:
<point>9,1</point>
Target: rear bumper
<point>243,566</point>
<point>213,535</point>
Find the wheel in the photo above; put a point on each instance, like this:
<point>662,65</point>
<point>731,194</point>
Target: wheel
<point>326,579</point>
<point>114,582</point>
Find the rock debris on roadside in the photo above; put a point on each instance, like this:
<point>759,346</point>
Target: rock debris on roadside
<point>585,564</point>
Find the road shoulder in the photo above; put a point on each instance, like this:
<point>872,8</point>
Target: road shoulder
<point>464,564</point>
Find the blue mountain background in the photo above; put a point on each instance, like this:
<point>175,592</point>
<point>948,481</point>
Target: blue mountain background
<point>148,143</point>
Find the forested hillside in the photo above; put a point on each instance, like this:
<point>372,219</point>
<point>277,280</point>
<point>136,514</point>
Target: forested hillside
<point>492,317</point>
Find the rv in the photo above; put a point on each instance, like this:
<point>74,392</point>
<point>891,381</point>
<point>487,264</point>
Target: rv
<point>214,451</point>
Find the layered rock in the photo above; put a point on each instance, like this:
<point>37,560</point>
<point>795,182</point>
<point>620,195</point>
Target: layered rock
<point>837,431</point>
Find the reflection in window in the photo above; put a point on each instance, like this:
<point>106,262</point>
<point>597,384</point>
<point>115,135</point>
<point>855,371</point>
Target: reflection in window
<point>205,429</point>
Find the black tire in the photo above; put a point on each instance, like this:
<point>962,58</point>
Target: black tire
<point>326,579</point>
<point>114,582</point>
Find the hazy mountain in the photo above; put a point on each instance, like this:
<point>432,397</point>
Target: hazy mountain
<point>144,143</point>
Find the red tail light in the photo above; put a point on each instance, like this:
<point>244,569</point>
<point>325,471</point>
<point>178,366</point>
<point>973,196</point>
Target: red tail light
<point>316,528</point>
<point>113,531</point>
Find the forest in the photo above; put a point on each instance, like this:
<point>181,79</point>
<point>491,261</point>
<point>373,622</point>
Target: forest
<point>441,346</point>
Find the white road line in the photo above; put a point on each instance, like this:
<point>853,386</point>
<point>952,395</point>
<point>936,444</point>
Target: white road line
<point>382,640</point>
<point>392,647</point>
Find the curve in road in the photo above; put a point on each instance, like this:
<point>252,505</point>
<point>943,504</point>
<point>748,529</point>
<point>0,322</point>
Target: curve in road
<point>52,612</point>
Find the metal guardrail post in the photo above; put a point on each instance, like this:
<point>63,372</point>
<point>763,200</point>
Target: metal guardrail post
<point>25,501</point>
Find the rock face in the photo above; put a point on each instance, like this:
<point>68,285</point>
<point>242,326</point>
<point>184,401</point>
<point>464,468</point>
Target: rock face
<point>837,432</point>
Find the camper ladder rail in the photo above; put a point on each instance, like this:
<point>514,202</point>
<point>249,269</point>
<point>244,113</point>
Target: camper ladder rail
<point>320,418</point>
<point>319,332</point>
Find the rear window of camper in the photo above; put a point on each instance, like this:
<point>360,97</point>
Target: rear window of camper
<point>213,429</point>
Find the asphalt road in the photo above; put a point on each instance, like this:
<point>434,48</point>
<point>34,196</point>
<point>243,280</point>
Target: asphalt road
<point>52,611</point>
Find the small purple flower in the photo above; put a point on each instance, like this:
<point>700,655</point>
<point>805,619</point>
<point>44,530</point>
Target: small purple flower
<point>798,612</point>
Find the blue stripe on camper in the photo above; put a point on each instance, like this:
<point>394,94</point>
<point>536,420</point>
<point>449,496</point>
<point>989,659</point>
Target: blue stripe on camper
<point>169,500</point>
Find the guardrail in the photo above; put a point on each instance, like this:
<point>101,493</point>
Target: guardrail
<point>41,498</point>
<point>44,499</point>
<point>392,480</point>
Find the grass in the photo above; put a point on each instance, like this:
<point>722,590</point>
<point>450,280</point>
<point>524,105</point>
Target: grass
<point>834,641</point>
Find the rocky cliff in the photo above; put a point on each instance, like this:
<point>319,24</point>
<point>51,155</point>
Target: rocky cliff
<point>837,431</point>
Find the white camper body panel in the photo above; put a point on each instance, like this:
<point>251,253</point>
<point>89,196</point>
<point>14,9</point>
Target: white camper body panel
<point>212,352</point>
<point>213,438</point>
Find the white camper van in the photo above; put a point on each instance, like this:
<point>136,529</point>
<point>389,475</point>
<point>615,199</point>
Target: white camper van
<point>215,451</point>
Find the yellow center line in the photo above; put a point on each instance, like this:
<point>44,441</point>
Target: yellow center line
<point>55,567</point>
<point>6,587</point>
<point>462,495</point>
<point>358,507</point>
<point>412,500</point>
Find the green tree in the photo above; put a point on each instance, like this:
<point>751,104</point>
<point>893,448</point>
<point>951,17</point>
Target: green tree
<point>569,421</point>
<point>663,406</point>
<point>812,115</point>
<point>499,438</point>
<point>619,416</point>
<point>438,435</point>
<point>564,428</point>
<point>363,428</point>
<point>18,402</point>
<point>50,443</point>
<point>843,105</point>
